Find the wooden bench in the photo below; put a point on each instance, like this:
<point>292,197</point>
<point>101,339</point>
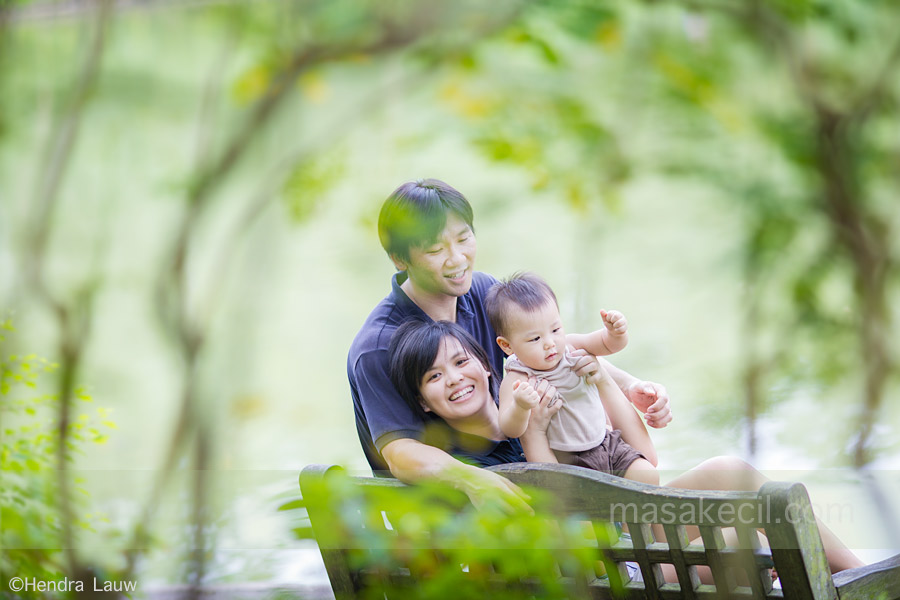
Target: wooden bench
<point>353,546</point>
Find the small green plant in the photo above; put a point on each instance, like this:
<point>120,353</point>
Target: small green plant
<point>30,515</point>
<point>432,533</point>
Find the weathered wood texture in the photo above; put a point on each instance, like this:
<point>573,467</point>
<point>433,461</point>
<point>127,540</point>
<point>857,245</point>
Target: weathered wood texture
<point>740,568</point>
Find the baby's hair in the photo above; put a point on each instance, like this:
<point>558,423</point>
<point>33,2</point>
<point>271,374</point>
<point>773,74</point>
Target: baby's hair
<point>525,290</point>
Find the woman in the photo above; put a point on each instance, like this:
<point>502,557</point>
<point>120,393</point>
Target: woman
<point>440,369</point>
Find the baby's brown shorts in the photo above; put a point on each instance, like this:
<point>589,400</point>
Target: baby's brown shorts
<point>613,455</point>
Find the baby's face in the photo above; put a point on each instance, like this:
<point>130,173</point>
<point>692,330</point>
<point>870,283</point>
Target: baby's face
<point>537,338</point>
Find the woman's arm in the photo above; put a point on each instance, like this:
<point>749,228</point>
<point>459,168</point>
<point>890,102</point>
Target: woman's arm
<point>410,461</point>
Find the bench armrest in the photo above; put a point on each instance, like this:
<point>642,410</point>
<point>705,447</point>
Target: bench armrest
<point>881,579</point>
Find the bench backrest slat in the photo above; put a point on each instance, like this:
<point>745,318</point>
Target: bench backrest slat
<point>688,580</point>
<point>795,543</point>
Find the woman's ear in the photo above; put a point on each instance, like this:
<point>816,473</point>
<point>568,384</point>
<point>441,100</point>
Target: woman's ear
<point>424,406</point>
<point>504,345</point>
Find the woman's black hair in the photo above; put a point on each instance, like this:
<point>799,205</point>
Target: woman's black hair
<point>414,347</point>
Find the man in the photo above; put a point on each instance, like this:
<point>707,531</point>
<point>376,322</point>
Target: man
<point>426,227</point>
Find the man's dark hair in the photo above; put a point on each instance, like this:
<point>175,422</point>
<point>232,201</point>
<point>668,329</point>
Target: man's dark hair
<point>413,349</point>
<point>416,213</point>
<point>525,290</point>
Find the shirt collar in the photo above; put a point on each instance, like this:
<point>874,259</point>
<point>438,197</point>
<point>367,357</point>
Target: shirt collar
<point>464,307</point>
<point>403,301</point>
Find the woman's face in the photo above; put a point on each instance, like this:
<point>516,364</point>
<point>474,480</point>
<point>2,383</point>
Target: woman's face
<point>456,386</point>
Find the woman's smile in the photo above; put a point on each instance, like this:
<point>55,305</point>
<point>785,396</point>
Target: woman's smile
<point>463,394</point>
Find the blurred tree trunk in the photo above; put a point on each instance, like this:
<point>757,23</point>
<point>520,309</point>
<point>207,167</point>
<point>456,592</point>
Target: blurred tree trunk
<point>839,152</point>
<point>864,237</point>
<point>753,368</point>
<point>72,312</point>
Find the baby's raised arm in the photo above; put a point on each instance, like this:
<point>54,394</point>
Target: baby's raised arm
<point>609,340</point>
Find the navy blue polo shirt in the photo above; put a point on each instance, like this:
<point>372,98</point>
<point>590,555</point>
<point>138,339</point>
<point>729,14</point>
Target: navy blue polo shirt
<point>382,416</point>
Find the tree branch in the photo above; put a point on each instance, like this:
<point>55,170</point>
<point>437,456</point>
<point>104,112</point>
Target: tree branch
<point>74,321</point>
<point>870,99</point>
<point>172,300</point>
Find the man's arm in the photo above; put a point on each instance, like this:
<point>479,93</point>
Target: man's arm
<point>411,461</point>
<point>647,396</point>
<point>650,398</point>
<point>622,415</point>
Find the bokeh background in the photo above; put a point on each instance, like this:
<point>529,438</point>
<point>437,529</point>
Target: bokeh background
<point>188,197</point>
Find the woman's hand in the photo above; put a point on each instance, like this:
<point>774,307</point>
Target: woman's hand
<point>489,492</point>
<point>549,403</point>
<point>534,441</point>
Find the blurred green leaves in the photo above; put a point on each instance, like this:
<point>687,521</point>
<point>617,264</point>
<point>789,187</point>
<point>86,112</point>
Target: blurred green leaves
<point>31,532</point>
<point>453,550</point>
<point>779,108</point>
<point>310,181</point>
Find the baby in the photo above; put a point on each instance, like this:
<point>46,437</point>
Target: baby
<point>524,312</point>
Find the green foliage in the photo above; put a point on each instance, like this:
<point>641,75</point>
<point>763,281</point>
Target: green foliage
<point>450,548</point>
<point>535,97</point>
<point>340,31</point>
<point>30,513</point>
<point>310,180</point>
<point>778,108</point>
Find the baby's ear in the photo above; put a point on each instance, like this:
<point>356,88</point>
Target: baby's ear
<point>504,345</point>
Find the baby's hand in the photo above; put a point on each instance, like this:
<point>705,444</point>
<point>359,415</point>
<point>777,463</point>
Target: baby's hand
<point>614,321</point>
<point>525,395</point>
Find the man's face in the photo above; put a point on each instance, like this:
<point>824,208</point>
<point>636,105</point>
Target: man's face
<point>445,266</point>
